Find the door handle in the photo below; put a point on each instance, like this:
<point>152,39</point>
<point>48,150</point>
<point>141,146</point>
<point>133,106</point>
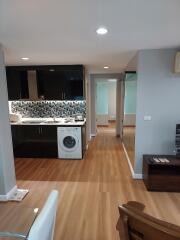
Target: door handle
<point>40,130</point>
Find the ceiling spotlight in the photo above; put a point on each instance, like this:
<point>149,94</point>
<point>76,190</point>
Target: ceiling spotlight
<point>102,30</point>
<point>106,67</point>
<point>25,58</point>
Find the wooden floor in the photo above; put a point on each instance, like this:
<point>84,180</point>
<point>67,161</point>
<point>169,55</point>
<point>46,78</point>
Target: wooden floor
<point>129,142</point>
<point>110,128</point>
<point>91,189</point>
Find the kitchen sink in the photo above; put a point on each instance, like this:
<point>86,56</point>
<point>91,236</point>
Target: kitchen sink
<point>33,122</point>
<point>53,121</point>
<point>46,121</point>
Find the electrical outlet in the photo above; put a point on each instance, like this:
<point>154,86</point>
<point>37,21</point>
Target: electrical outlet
<point>147,118</point>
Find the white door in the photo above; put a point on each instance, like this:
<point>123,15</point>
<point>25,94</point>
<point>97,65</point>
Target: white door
<point>102,103</point>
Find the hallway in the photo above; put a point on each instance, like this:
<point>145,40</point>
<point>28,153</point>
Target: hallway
<point>91,189</point>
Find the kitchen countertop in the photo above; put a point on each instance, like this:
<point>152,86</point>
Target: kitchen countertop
<point>50,121</point>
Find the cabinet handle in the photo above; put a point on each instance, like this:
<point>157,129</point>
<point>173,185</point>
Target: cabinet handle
<point>40,130</point>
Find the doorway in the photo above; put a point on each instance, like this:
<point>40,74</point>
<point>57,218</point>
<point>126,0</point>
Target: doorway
<point>118,126</point>
<point>106,105</point>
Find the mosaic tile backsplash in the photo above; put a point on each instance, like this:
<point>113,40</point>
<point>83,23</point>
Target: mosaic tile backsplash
<point>36,109</point>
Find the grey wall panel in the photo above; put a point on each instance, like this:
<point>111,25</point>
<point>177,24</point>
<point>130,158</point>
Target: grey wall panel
<point>158,96</point>
<point>7,172</point>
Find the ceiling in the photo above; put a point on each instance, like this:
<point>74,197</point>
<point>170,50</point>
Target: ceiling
<point>64,31</point>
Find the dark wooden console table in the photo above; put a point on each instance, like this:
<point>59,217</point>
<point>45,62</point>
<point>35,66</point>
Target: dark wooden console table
<point>161,176</point>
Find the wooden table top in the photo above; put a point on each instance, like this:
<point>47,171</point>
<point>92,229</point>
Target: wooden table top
<point>16,220</point>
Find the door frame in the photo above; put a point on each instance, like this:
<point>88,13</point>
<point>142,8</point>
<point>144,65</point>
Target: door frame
<point>93,77</point>
<point>124,80</point>
<point>120,96</point>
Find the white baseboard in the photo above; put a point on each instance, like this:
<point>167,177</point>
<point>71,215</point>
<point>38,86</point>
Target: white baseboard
<point>137,176</point>
<point>134,175</point>
<point>128,160</point>
<point>93,135</point>
<point>7,196</point>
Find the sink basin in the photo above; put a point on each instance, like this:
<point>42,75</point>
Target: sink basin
<point>47,120</point>
<point>53,121</point>
<point>32,122</point>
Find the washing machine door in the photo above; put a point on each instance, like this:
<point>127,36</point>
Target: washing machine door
<point>69,143</point>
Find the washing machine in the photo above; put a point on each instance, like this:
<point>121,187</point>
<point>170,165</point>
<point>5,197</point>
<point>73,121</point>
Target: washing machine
<point>69,142</point>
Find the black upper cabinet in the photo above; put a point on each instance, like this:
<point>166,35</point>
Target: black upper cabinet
<point>55,82</point>
<point>17,83</point>
<point>74,86</point>
<point>50,84</point>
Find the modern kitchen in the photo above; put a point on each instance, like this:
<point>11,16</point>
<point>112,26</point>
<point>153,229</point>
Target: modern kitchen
<point>47,110</point>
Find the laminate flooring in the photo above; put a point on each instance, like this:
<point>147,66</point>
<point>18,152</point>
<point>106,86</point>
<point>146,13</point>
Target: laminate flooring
<point>91,189</point>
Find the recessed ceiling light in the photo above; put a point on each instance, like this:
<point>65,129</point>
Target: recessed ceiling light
<point>106,67</point>
<point>25,58</point>
<point>102,30</point>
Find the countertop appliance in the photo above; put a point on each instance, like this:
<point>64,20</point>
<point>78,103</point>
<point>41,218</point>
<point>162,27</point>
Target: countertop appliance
<point>69,142</point>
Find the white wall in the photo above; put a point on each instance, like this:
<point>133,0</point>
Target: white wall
<point>93,105</point>
<point>111,100</point>
<point>158,96</point>
<point>7,171</point>
<point>133,64</point>
<point>88,107</point>
<point>108,102</point>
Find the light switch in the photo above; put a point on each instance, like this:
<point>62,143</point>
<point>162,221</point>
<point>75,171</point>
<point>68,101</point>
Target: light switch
<point>147,118</point>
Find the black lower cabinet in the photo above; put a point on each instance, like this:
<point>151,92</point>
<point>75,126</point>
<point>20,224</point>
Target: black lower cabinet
<point>34,141</point>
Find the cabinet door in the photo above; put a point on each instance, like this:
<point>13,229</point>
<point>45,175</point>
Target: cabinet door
<point>50,84</point>
<point>30,133</point>
<point>27,141</point>
<point>49,141</point>
<point>49,133</point>
<point>17,83</point>
<point>35,141</point>
<point>74,85</point>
